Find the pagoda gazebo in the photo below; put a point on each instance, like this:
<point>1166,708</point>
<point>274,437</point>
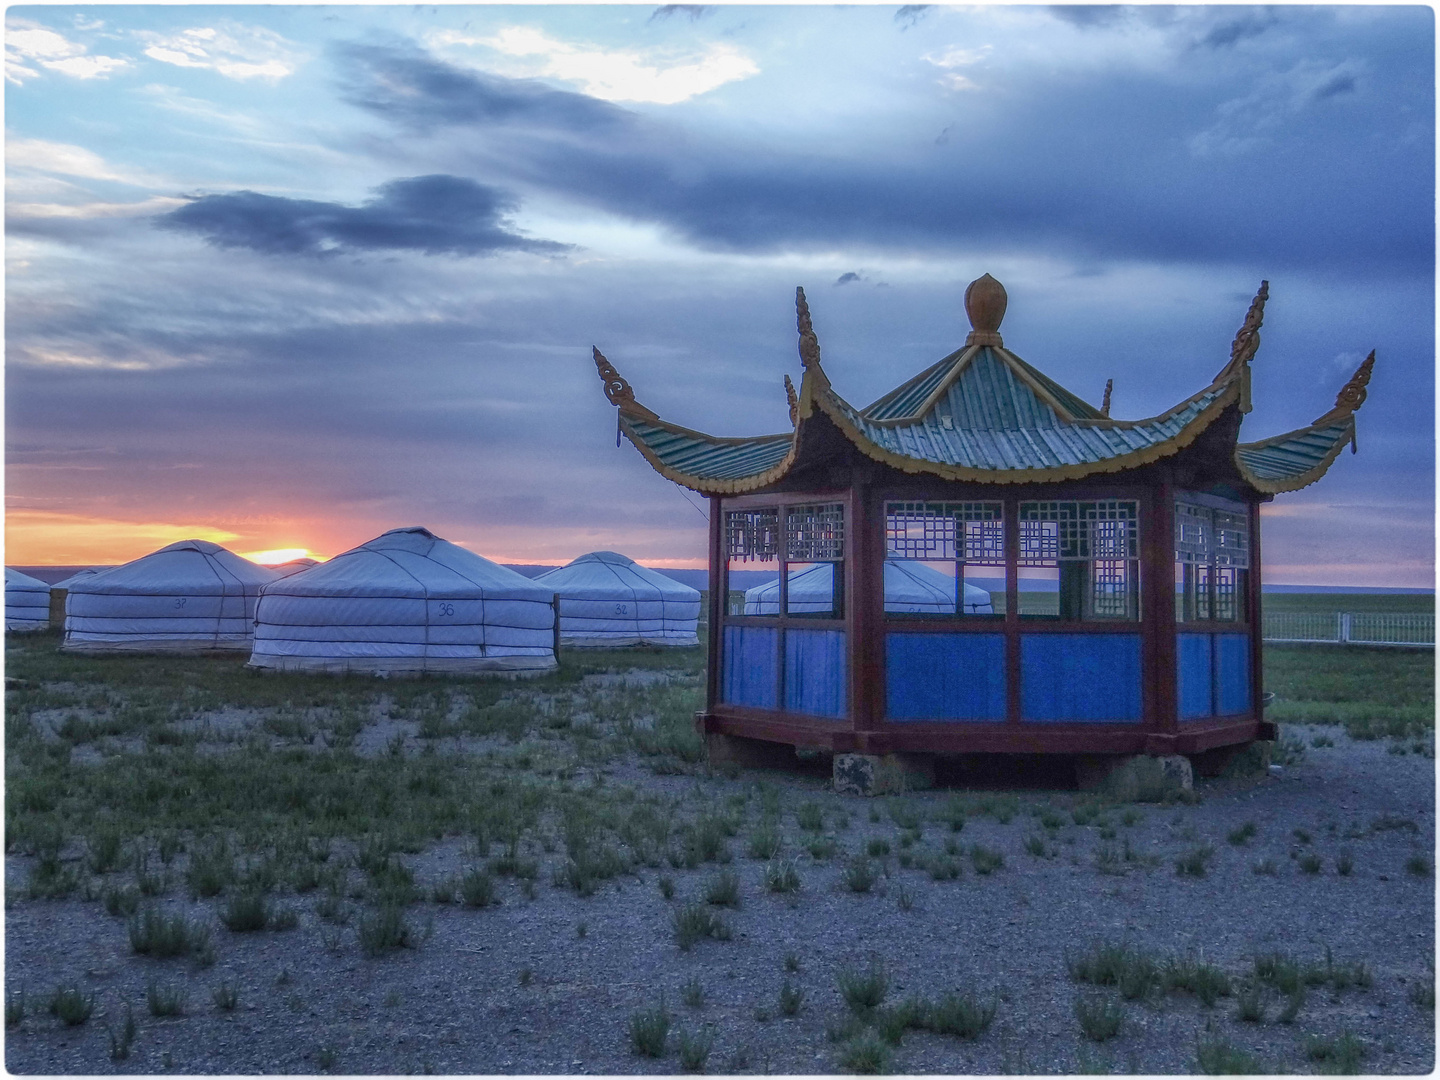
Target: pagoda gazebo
<point>1122,558</point>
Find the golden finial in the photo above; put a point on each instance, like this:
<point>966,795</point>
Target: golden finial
<point>809,343</point>
<point>1247,341</point>
<point>1105,405</point>
<point>1247,338</point>
<point>794,402</point>
<point>617,390</point>
<point>1352,395</point>
<point>985,303</point>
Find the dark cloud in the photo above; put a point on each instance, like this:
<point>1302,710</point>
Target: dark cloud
<point>1231,31</point>
<point>694,11</point>
<point>437,215</point>
<point>409,87</point>
<point>847,277</point>
<point>1154,167</point>
<point>1089,15</point>
<point>1337,84</point>
<point>910,14</point>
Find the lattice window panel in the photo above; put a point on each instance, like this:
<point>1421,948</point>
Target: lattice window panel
<point>1232,540</point>
<point>1203,574</point>
<point>752,535</point>
<point>972,531</point>
<point>1226,594</point>
<point>1211,537</point>
<point>1110,589</point>
<point>1051,532</point>
<point>815,533</point>
<point>1194,529</point>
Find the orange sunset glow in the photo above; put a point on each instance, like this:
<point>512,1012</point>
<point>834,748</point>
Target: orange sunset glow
<point>47,538</point>
<point>276,556</point>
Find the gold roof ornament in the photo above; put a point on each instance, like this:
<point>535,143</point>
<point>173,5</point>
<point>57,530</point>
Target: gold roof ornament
<point>1352,395</point>
<point>617,390</point>
<point>793,400</point>
<point>1245,345</point>
<point>985,303</point>
<point>809,343</point>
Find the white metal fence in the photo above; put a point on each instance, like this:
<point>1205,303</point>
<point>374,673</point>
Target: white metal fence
<point>1412,631</point>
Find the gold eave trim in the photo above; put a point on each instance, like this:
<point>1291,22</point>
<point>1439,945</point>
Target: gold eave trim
<point>703,485</point>
<point>1132,460</point>
<point>1305,479</point>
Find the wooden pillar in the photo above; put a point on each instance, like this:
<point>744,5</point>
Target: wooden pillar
<point>1255,616</point>
<point>718,603</point>
<point>865,614</point>
<point>1010,515</point>
<point>1157,610</point>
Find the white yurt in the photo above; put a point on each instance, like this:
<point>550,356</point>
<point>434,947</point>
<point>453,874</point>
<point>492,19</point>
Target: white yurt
<point>294,566</point>
<point>910,587</point>
<point>406,603</point>
<point>27,602</point>
<point>192,596</point>
<point>61,589</point>
<point>608,600</point>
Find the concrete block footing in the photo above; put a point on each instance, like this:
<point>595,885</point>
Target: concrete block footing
<point>887,774</point>
<point>1140,778</point>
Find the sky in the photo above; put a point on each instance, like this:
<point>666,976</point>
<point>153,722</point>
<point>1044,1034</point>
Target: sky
<point>287,277</point>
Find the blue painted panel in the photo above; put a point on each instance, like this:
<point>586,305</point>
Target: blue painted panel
<point>1067,678</point>
<point>1193,670</point>
<point>815,672</point>
<point>1232,676</point>
<point>748,666</point>
<point>945,676</point>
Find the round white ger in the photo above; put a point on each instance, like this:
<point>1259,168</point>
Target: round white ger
<point>910,587</point>
<point>406,603</point>
<point>193,596</point>
<point>27,602</point>
<point>608,600</point>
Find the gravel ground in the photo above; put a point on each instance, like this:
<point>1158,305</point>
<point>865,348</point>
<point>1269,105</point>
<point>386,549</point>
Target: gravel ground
<point>549,985</point>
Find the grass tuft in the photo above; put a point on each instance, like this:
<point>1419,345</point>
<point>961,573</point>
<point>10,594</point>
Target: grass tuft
<point>477,888</point>
<point>123,1039</point>
<point>696,921</point>
<point>791,998</point>
<point>859,875</point>
<point>863,990</point>
<point>1100,1017</point>
<point>1195,862</point>
<point>1340,1056</point>
<point>162,936</point>
<point>165,1000</point>
<point>1219,1057</point>
<point>649,1029</point>
<point>71,1006</point>
<point>866,1056</point>
<point>384,931</point>
<point>695,1048</point>
<point>723,890</point>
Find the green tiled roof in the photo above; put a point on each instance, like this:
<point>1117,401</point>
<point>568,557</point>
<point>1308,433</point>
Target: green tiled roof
<point>986,423</point>
<point>984,415</point>
<point>1290,462</point>
<point>684,455</point>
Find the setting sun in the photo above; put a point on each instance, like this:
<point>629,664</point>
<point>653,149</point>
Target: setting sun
<point>276,556</point>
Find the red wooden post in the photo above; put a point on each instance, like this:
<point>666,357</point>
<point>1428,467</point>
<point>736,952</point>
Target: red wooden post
<point>718,603</point>
<point>1157,613</point>
<point>1010,515</point>
<point>1255,615</point>
<point>865,615</point>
